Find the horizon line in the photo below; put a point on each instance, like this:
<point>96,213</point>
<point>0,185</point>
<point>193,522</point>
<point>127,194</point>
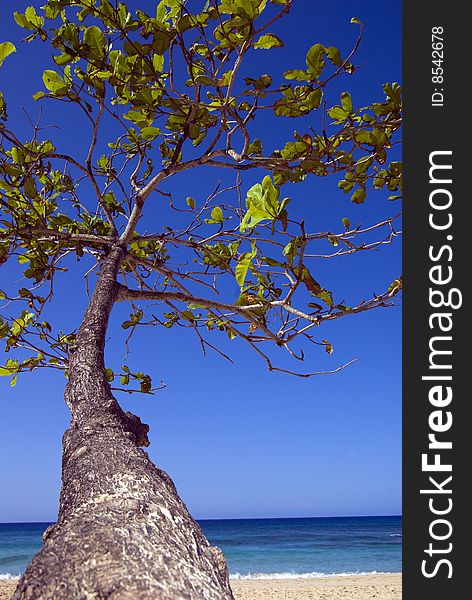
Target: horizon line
<point>239,518</point>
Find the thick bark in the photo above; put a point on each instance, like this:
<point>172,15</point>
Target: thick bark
<point>122,531</point>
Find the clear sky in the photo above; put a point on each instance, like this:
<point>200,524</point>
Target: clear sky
<point>238,441</point>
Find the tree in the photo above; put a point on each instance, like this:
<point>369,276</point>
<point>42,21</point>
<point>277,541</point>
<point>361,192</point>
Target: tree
<point>160,95</point>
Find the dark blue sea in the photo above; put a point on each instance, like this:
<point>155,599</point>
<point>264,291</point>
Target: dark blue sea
<point>263,548</point>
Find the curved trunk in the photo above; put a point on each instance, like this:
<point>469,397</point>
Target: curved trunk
<point>122,531</point>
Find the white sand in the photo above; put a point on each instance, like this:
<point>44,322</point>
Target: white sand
<point>358,587</point>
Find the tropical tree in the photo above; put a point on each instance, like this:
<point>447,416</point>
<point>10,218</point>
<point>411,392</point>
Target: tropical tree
<point>160,94</point>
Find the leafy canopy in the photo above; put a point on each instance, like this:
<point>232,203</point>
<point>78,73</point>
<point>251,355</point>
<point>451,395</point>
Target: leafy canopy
<point>165,92</point>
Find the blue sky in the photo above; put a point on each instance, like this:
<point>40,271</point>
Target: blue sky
<point>238,441</point>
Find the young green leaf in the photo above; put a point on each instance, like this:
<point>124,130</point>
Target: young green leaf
<point>6,48</point>
<point>346,102</point>
<point>334,56</point>
<point>54,82</point>
<point>338,114</point>
<point>297,75</point>
<point>315,60</point>
<point>216,216</point>
<point>96,41</point>
<point>267,41</point>
<point>359,196</point>
<point>242,267</point>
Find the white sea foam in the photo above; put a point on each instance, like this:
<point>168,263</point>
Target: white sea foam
<point>396,535</point>
<point>8,576</point>
<point>292,575</point>
<point>288,575</point>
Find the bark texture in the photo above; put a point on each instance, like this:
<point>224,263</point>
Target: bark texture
<point>122,531</point>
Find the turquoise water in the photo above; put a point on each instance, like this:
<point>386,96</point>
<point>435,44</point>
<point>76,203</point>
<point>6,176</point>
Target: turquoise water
<point>263,548</point>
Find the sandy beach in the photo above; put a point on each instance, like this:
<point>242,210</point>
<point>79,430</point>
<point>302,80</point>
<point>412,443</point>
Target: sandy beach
<point>7,587</point>
<point>360,587</point>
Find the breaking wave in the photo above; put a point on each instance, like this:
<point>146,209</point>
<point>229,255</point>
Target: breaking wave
<point>291,575</point>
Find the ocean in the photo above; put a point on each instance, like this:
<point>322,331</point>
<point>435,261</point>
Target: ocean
<point>263,548</point>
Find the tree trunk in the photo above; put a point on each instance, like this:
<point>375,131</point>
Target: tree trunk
<point>122,530</point>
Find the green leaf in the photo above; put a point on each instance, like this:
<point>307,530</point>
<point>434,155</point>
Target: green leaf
<point>291,249</point>
<point>190,202</point>
<point>224,80</point>
<point>359,196</point>
<point>346,102</point>
<point>185,23</point>
<point>30,188</point>
<point>314,99</point>
<point>394,94</point>
<point>54,82</point>
<point>161,12</point>
<point>262,83</point>
<point>272,262</point>
<point>136,117</point>
<point>205,80</point>
<point>6,48</point>
<point>242,267</point>
<point>363,164</point>
<point>338,114</point>
<point>38,95</point>
<point>158,62</point>
<point>262,204</point>
<point>345,185</point>
<point>267,41</point>
<point>63,59</point>
<point>346,222</point>
<point>255,147</point>
<point>29,20</point>
<point>217,215</point>
<point>327,297</point>
<point>334,56</point>
<point>297,75</point>
<point>22,21</point>
<point>315,60</point>
<point>188,315</point>
<point>4,372</point>
<point>365,137</point>
<point>150,133</point>
<point>96,41</point>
